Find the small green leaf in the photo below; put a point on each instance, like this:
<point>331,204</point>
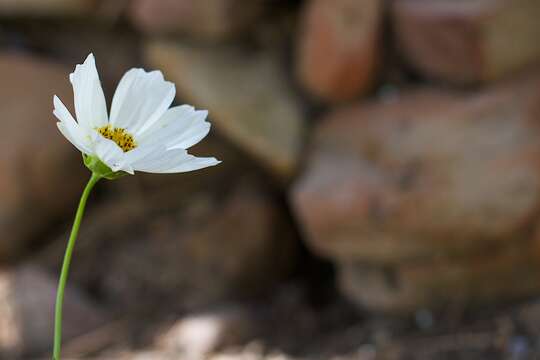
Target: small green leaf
<point>100,169</point>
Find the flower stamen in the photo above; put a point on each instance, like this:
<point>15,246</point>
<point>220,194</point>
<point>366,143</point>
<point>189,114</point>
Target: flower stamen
<point>120,136</point>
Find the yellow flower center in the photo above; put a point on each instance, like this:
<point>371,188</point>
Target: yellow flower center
<point>119,136</point>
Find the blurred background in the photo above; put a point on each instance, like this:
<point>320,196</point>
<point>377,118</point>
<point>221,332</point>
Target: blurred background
<point>379,196</point>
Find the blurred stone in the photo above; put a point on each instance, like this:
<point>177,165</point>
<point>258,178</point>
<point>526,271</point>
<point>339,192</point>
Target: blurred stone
<point>31,8</point>
<point>209,19</point>
<point>182,251</point>
<point>248,96</point>
<point>137,355</point>
<point>423,174</point>
<point>338,47</point>
<point>41,174</point>
<point>468,41</point>
<point>246,353</point>
<point>428,197</point>
<point>200,334</point>
<point>488,277</point>
<point>27,299</point>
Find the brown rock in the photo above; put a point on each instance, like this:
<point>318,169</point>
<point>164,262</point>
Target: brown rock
<point>45,7</point>
<point>41,174</point>
<point>248,96</point>
<point>468,41</point>
<point>27,298</point>
<point>338,47</point>
<point>210,19</point>
<point>423,175</point>
<point>492,276</point>
<point>428,198</point>
<point>181,251</point>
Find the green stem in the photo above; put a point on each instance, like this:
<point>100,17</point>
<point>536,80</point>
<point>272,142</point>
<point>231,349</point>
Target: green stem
<point>65,266</point>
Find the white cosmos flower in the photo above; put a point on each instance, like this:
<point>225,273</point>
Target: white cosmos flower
<point>142,132</point>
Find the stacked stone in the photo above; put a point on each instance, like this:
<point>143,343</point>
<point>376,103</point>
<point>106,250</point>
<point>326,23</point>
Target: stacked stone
<point>424,196</point>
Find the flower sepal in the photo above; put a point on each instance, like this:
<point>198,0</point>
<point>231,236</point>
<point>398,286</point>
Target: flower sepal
<point>99,168</point>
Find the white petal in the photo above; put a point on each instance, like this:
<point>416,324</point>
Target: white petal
<point>141,152</point>
<point>141,98</point>
<point>152,157</point>
<point>79,145</point>
<point>90,107</point>
<point>70,129</point>
<point>193,163</point>
<point>172,161</point>
<point>180,127</point>
<point>192,136</point>
<point>111,154</point>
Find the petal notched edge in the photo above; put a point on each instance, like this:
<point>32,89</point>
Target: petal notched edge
<point>179,128</point>
<point>173,161</point>
<point>90,106</point>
